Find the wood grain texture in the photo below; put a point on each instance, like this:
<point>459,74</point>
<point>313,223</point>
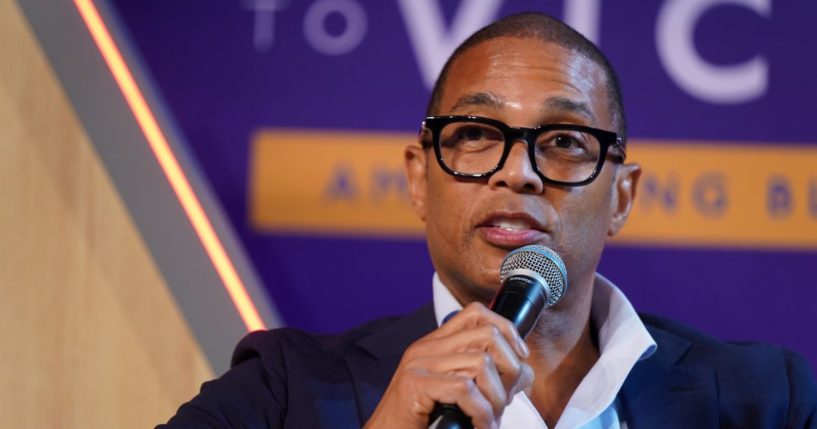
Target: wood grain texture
<point>89,335</point>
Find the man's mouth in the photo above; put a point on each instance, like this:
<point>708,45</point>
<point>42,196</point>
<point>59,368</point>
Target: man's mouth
<point>511,230</point>
<point>513,221</point>
<point>512,224</point>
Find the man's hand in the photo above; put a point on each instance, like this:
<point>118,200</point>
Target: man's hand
<point>475,360</point>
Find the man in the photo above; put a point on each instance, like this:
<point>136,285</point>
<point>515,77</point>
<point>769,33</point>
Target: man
<point>524,144</point>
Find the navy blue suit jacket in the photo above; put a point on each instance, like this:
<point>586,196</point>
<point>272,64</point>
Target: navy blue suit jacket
<point>286,378</point>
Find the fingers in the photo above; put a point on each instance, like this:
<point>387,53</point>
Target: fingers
<point>476,314</point>
<point>463,392</point>
<point>524,381</point>
<point>413,394</point>
<point>474,347</point>
<point>478,367</point>
<point>475,360</point>
<point>476,331</point>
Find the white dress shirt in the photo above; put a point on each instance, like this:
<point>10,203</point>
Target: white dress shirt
<point>623,341</point>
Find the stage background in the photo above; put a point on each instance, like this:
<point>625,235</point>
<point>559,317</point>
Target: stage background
<point>296,112</point>
<point>91,335</point>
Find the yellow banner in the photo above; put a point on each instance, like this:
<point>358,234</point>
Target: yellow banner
<point>330,183</point>
<point>710,194</point>
<point>725,194</point>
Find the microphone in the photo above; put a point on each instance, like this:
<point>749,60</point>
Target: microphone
<point>533,278</point>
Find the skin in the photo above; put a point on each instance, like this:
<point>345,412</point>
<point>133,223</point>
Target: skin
<point>525,83</point>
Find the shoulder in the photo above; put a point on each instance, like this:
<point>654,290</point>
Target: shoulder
<point>272,345</point>
<point>745,372</point>
<point>384,336</point>
<point>711,351</point>
<point>290,378</point>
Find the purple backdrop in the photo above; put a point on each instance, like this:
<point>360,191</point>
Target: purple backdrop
<point>226,69</point>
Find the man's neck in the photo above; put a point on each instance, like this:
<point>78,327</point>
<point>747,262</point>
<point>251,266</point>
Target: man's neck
<point>561,356</point>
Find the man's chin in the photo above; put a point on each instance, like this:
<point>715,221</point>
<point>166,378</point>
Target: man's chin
<point>486,295</point>
<point>467,289</point>
<point>483,292</point>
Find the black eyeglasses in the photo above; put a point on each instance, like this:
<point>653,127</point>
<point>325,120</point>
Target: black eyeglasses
<point>561,154</point>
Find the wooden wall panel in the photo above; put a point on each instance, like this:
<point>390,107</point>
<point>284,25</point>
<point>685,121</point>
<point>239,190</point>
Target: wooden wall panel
<point>89,335</point>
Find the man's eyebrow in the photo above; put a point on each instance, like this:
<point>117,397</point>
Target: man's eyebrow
<point>569,105</point>
<point>479,99</point>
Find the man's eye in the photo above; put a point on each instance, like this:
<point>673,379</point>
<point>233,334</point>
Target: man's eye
<point>566,142</point>
<point>473,133</point>
<point>569,142</point>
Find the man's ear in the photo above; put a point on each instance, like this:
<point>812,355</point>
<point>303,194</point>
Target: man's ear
<point>624,189</point>
<point>415,160</point>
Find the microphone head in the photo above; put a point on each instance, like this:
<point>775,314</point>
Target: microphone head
<point>542,262</point>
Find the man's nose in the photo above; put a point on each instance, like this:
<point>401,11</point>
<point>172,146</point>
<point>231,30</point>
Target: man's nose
<point>517,173</point>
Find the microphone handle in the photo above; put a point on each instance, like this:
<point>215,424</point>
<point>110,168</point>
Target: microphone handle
<point>448,416</point>
<point>520,300</point>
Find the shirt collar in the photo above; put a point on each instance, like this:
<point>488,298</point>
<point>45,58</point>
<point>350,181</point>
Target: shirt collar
<point>623,341</point>
<point>444,301</point>
<point>611,311</point>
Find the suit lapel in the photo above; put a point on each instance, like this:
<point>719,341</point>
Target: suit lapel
<point>662,392</point>
<point>374,363</point>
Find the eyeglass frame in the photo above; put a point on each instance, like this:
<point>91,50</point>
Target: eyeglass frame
<point>435,124</point>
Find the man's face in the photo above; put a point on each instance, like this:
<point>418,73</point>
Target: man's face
<point>472,224</point>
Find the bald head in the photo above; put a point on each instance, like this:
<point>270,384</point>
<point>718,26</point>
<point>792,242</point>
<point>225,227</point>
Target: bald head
<point>546,29</point>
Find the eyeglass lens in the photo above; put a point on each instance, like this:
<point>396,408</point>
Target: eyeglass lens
<point>561,154</point>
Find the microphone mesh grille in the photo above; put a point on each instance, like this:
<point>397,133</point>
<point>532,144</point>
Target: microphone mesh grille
<point>541,260</point>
